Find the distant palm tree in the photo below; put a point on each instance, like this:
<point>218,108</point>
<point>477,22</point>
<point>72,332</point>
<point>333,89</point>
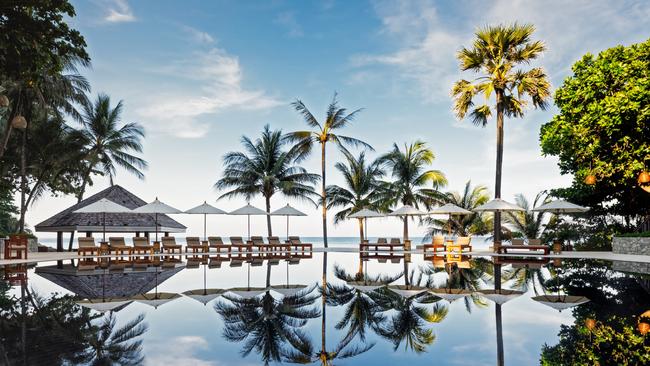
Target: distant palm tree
<point>361,180</point>
<point>265,168</point>
<point>465,225</point>
<point>336,119</point>
<point>413,183</point>
<point>528,223</point>
<point>111,346</point>
<point>107,143</point>
<point>270,327</point>
<point>496,52</point>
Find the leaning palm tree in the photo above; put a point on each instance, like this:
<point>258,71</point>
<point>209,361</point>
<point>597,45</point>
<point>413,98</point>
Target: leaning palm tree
<point>472,224</point>
<point>496,52</point>
<point>336,119</point>
<point>362,180</point>
<point>528,223</point>
<point>110,346</point>
<point>413,183</point>
<point>109,144</point>
<point>265,168</point>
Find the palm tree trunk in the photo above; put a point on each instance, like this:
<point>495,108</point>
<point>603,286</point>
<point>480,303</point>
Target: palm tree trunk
<point>84,182</point>
<point>23,181</point>
<point>499,166</point>
<point>268,217</point>
<point>323,194</point>
<point>324,308</point>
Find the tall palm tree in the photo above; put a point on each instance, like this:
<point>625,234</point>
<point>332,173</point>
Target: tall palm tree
<point>361,180</point>
<point>270,327</point>
<point>110,346</point>
<point>472,224</point>
<point>413,183</point>
<point>107,143</point>
<point>265,168</point>
<point>497,52</point>
<point>528,223</point>
<point>322,133</point>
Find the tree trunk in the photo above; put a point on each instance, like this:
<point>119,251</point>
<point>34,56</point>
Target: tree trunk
<point>323,194</point>
<point>324,308</point>
<point>499,166</point>
<point>268,217</point>
<point>362,237</point>
<point>23,181</point>
<point>497,313</point>
<point>84,182</point>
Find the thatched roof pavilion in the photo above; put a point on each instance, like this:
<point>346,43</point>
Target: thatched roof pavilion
<point>70,221</point>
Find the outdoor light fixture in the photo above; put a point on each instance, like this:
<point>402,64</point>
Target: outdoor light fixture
<point>644,176</point>
<point>643,325</point>
<point>590,179</point>
<point>19,122</point>
<point>590,323</point>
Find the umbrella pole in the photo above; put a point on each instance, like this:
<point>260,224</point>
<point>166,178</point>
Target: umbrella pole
<point>104,225</point>
<point>249,276</point>
<point>449,226</point>
<point>205,291</point>
<point>249,227</point>
<point>287,227</point>
<point>156,223</point>
<point>205,235</point>
<point>366,231</point>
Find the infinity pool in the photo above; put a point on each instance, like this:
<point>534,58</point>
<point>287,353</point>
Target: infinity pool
<point>202,311</point>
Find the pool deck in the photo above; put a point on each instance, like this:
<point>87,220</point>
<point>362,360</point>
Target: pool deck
<point>56,256</point>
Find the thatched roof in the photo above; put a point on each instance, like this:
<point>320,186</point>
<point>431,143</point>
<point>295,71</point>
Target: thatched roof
<point>68,220</point>
<point>100,283</point>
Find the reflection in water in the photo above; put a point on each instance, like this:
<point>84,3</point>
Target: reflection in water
<point>369,310</point>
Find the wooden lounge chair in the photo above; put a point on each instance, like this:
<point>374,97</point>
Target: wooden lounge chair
<point>298,246</point>
<point>257,242</point>
<point>517,242</point>
<point>277,246</point>
<point>462,243</point>
<point>437,242</point>
<point>86,246</point>
<point>217,243</point>
<point>141,245</point>
<point>169,245</point>
<point>236,242</point>
<point>117,245</point>
<point>382,241</point>
<point>86,265</point>
<point>194,243</point>
<point>534,245</point>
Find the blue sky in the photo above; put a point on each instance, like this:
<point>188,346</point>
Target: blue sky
<point>198,75</point>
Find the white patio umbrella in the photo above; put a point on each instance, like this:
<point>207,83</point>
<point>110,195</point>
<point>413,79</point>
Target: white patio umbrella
<point>500,296</point>
<point>157,299</point>
<point>287,211</point>
<point>204,296</point>
<point>449,209</point>
<point>103,206</point>
<point>406,211</point>
<point>561,302</point>
<point>365,214</point>
<point>561,207</point>
<point>407,291</point>
<point>450,294</point>
<point>498,205</point>
<point>365,286</point>
<point>289,290</point>
<point>247,292</point>
<point>205,209</point>
<point>249,211</point>
<point>156,207</point>
<point>104,305</point>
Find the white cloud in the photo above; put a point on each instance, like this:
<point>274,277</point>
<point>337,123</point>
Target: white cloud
<point>119,11</point>
<point>288,20</point>
<point>215,81</point>
<point>184,348</point>
<point>198,35</point>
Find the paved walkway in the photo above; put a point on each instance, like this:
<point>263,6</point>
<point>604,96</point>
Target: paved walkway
<point>55,256</point>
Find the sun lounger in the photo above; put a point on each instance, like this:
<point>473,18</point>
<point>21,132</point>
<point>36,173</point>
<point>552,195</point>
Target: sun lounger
<point>278,246</point>
<point>86,265</point>
<point>169,245</point>
<point>437,242</point>
<point>217,243</point>
<point>257,242</point>
<point>461,243</point>
<point>297,247</point>
<point>141,245</point>
<point>383,245</point>
<point>86,246</point>
<point>517,241</point>
<point>117,245</point>
<point>534,245</point>
<point>236,263</point>
<point>194,243</point>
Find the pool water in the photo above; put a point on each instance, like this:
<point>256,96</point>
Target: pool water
<point>180,311</point>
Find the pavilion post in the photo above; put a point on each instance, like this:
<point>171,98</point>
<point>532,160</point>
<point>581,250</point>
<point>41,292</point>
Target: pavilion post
<point>59,241</point>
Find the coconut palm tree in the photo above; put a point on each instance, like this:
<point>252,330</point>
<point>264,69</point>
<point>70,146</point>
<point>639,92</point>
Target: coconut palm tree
<point>361,180</point>
<point>413,182</point>
<point>528,224</point>
<point>471,224</point>
<point>270,327</point>
<point>110,346</point>
<point>107,143</point>
<point>265,168</point>
<point>497,52</point>
<point>322,133</point>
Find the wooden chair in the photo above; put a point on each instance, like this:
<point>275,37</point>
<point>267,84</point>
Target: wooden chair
<point>236,242</point>
<point>517,241</point>
<point>141,245</point>
<point>117,246</point>
<point>276,244</point>
<point>298,246</point>
<point>217,243</point>
<point>169,245</point>
<point>257,242</point>
<point>534,241</point>
<point>16,247</point>
<point>194,243</point>
<point>437,242</point>
<point>464,243</point>
<point>87,245</point>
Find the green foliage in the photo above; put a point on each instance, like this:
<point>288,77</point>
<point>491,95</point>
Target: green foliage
<point>474,223</point>
<point>35,39</point>
<point>8,211</point>
<point>604,127</point>
<point>644,234</point>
